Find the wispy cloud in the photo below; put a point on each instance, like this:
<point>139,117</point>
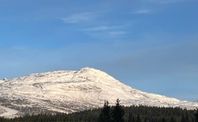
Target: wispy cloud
<point>117,33</point>
<point>142,11</point>
<point>165,1</point>
<point>92,25</point>
<point>107,30</point>
<point>150,3</point>
<point>79,17</point>
<point>98,28</point>
<point>104,28</point>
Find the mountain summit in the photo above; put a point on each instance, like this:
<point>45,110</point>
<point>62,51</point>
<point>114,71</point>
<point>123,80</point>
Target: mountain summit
<point>72,91</point>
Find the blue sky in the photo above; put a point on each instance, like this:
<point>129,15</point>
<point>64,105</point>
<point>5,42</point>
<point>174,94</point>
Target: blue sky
<point>148,44</point>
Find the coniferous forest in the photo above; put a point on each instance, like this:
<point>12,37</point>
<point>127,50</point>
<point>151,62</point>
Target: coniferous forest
<point>117,113</point>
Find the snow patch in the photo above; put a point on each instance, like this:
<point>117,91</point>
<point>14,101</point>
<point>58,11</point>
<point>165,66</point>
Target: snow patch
<point>7,112</point>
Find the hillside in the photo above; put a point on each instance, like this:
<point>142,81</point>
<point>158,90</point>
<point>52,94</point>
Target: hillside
<point>73,91</point>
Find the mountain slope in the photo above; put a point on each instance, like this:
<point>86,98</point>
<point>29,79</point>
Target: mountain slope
<point>71,91</point>
<point>7,112</point>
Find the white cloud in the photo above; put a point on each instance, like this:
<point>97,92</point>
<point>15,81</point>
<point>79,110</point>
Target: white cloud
<point>142,11</point>
<point>104,28</point>
<point>109,31</point>
<point>117,33</point>
<point>98,28</point>
<point>79,17</point>
<point>165,1</point>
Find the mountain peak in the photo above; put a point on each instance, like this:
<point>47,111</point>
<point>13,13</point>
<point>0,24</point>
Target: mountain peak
<point>89,69</point>
<point>70,91</point>
<point>96,75</point>
<point>84,74</point>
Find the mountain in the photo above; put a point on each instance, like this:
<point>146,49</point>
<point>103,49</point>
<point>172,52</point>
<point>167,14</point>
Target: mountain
<point>72,91</point>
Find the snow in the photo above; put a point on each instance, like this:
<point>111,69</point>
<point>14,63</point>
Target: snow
<point>1,81</point>
<point>71,91</point>
<point>7,112</point>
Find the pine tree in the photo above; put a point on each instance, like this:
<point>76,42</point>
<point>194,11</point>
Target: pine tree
<point>138,118</point>
<point>118,112</point>
<point>196,115</point>
<point>105,113</point>
<point>145,120</point>
<point>130,118</point>
<point>163,120</point>
<point>187,116</point>
<point>172,119</point>
<point>183,119</point>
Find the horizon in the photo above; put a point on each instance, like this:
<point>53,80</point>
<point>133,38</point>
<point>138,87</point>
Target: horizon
<point>151,45</point>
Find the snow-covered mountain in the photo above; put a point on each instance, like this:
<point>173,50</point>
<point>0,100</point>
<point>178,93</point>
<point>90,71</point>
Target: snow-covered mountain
<point>71,91</point>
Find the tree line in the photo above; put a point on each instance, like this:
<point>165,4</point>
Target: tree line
<point>117,113</point>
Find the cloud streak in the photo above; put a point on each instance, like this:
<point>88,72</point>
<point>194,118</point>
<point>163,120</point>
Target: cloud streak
<point>117,33</point>
<point>99,28</point>
<point>104,28</point>
<point>164,1</point>
<point>107,30</point>
<point>92,23</point>
<point>79,17</point>
<point>142,11</point>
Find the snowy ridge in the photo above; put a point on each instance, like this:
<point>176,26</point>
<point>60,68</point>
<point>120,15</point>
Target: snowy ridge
<point>71,91</point>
